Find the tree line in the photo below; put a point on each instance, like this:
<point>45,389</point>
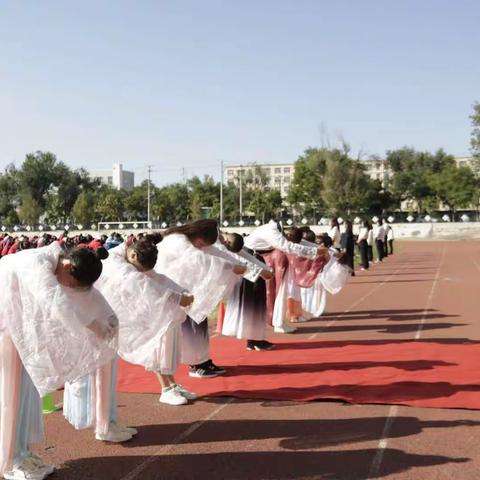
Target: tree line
<point>326,181</point>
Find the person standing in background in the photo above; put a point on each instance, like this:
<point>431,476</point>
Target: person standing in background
<point>379,236</point>
<point>348,246</point>
<point>335,234</point>
<point>362,242</point>
<point>370,241</point>
<point>390,238</point>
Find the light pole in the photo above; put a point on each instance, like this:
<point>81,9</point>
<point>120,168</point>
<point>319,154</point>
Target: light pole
<point>148,193</point>
<point>221,193</point>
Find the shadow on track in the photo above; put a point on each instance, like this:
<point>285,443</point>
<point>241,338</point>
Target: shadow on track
<point>328,465</point>
<point>395,329</point>
<point>294,434</point>
<point>407,365</point>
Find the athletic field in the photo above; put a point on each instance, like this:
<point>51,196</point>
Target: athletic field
<point>406,331</point>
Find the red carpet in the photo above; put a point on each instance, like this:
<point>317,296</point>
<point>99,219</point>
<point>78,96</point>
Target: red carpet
<point>421,374</point>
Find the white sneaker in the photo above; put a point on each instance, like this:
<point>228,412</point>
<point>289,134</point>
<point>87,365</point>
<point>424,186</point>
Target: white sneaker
<point>185,393</point>
<point>303,319</point>
<point>36,460</point>
<point>285,329</point>
<point>122,428</point>
<point>171,396</point>
<point>27,470</point>
<point>114,436</point>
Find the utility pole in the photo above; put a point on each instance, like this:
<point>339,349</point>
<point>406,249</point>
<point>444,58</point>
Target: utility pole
<point>148,192</point>
<point>221,194</point>
<point>241,192</point>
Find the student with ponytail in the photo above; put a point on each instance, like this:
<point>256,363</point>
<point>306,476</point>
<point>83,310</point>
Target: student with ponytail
<point>54,327</point>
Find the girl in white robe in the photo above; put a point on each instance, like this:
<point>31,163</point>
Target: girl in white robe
<point>314,299</point>
<point>146,309</point>
<point>246,310</point>
<point>209,278</point>
<point>245,314</point>
<point>263,241</point>
<point>54,327</point>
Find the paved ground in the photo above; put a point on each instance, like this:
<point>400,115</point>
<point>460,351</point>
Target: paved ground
<point>426,291</point>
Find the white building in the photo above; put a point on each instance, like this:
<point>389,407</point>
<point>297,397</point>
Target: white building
<point>279,175</point>
<point>117,177</point>
<point>376,169</point>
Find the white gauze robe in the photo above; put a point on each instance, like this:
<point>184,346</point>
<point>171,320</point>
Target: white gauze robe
<point>266,238</point>
<point>207,277</point>
<point>45,330</point>
<point>146,308</point>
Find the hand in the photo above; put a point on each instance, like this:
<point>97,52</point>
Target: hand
<point>186,300</point>
<point>103,331</point>
<point>239,269</point>
<point>322,251</point>
<point>266,274</point>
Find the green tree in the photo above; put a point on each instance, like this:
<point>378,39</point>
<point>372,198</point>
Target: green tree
<point>455,187</point>
<point>9,195</point>
<point>136,201</point>
<point>54,208</point>
<point>337,181</point>
<point>171,204</point>
<point>204,197</point>
<point>305,192</point>
<point>109,204</point>
<point>265,205</point>
<point>83,210</point>
<point>475,138</point>
<point>411,173</point>
<point>38,174</point>
<point>30,210</point>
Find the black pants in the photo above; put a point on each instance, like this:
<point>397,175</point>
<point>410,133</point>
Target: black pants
<point>390,245</point>
<point>363,248</point>
<point>370,253</point>
<point>380,251</point>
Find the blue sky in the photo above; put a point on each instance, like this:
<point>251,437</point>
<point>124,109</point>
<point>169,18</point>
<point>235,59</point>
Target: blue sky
<point>185,84</point>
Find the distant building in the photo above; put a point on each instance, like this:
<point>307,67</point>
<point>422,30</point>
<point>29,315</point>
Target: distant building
<point>376,169</point>
<point>279,175</point>
<point>468,162</point>
<point>117,177</point>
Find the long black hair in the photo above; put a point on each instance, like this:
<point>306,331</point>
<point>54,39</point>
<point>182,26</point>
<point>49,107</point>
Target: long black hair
<point>206,229</point>
<point>146,250</point>
<point>293,234</point>
<point>86,264</point>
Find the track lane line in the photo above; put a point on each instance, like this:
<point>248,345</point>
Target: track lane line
<point>430,296</point>
<point>356,303</point>
<point>133,474</point>
<point>382,443</point>
<point>393,411</point>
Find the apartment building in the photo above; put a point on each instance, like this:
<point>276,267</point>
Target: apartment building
<point>279,175</point>
<point>117,177</point>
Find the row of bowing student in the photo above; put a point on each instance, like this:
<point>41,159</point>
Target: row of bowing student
<point>67,315</point>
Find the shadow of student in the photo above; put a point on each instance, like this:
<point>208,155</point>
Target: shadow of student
<point>331,465</point>
<point>312,344</point>
<point>294,434</point>
<point>397,393</point>
<point>395,329</point>
<point>406,365</point>
<point>393,281</point>
<point>391,317</point>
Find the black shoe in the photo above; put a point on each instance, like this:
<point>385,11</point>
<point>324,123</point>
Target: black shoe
<point>201,371</point>
<point>259,345</point>
<point>214,368</point>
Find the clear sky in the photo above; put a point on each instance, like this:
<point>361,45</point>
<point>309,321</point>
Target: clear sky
<point>185,84</point>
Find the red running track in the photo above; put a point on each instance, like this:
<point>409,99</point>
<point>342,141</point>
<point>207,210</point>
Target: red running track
<point>426,294</point>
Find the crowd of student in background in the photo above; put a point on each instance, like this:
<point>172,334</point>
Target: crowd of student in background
<point>379,235</point>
